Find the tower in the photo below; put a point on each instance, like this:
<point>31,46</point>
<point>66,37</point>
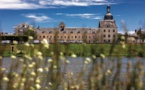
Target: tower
<point>61,26</point>
<point>107,28</point>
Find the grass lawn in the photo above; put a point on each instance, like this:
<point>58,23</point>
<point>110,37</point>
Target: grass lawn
<point>78,49</point>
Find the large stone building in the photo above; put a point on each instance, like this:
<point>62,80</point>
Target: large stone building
<point>105,33</point>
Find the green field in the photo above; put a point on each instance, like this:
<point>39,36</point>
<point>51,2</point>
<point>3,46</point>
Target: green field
<point>78,49</point>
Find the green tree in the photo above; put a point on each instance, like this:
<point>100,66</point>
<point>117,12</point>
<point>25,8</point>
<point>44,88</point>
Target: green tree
<point>30,32</point>
<point>126,37</point>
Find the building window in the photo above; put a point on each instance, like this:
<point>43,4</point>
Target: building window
<point>108,35</point>
<point>64,32</point>
<point>78,31</point>
<point>104,35</point>
<point>61,37</point>
<point>113,35</point>
<point>104,30</point>
<point>89,36</point>
<point>109,41</point>
<point>47,36</point>
<point>43,31</point>
<point>43,36</point>
<point>50,32</point>
<point>71,36</point>
<point>40,36</point>
<point>64,36</point>
<point>108,30</point>
<point>104,40</point>
<point>75,36</point>
<point>113,30</point>
<point>71,32</point>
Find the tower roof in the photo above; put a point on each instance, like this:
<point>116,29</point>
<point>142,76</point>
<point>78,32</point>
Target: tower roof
<point>108,15</point>
<point>61,24</point>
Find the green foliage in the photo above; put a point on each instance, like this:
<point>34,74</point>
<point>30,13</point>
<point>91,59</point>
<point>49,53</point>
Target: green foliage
<point>14,37</point>
<point>30,33</point>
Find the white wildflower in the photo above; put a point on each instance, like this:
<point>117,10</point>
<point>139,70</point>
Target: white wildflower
<point>15,42</point>
<point>39,53</point>
<point>102,56</point>
<point>15,85</point>
<point>27,44</point>
<point>50,83</point>
<point>122,37</point>
<point>123,46</point>
<point>67,61</point>
<point>1,57</point>
<point>88,60</point>
<point>40,69</point>
<point>33,73</point>
<point>44,41</point>
<point>93,56</point>
<point>49,60</point>
<point>13,57</point>
<point>40,57</point>
<point>55,67</point>
<point>38,86</point>
<point>32,88</point>
<point>3,69</point>
<point>73,55</point>
<point>30,38</point>
<point>5,79</point>
<point>108,72</point>
<point>37,80</point>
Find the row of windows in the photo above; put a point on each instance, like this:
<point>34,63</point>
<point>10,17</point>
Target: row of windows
<point>107,40</point>
<point>66,32</point>
<point>108,30</point>
<point>109,36</point>
<point>66,37</point>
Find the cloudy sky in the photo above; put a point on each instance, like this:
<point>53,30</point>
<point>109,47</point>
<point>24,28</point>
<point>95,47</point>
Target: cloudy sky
<point>74,13</point>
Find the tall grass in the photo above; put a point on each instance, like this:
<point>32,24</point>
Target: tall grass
<point>35,71</point>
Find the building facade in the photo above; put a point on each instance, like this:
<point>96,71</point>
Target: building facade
<point>107,28</point>
<point>105,33</point>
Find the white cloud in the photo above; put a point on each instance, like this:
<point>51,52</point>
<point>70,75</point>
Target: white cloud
<point>18,4</point>
<point>35,4</point>
<point>83,15</point>
<point>38,18</point>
